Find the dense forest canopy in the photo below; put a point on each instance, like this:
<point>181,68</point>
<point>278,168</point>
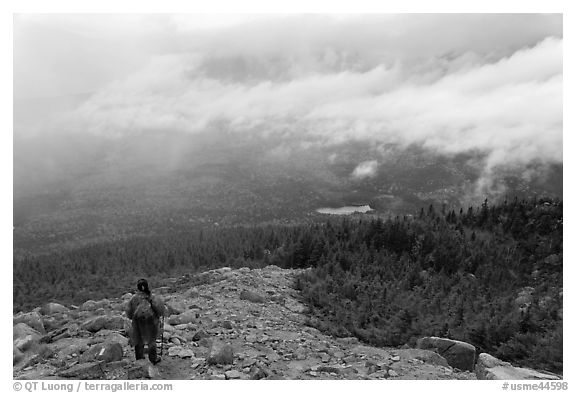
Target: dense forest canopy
<point>490,275</point>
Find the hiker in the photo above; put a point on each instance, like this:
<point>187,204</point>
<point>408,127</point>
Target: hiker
<point>145,310</point>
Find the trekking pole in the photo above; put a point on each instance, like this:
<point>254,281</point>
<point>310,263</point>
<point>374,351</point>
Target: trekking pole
<point>162,339</point>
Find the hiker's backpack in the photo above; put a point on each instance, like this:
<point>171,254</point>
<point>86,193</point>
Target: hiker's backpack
<point>144,310</point>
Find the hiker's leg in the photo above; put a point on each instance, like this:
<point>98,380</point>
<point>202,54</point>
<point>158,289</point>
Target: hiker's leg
<point>152,353</point>
<point>137,341</point>
<point>139,349</point>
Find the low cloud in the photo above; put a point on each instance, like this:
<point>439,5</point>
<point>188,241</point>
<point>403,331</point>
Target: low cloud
<point>450,83</point>
<point>365,170</point>
<point>510,109</point>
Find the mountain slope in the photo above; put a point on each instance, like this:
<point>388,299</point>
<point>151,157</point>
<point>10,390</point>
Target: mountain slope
<point>256,312</point>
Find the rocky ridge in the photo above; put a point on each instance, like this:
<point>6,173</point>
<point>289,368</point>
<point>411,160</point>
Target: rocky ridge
<point>220,324</point>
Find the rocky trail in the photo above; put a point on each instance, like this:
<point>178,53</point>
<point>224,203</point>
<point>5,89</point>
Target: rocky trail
<point>229,324</point>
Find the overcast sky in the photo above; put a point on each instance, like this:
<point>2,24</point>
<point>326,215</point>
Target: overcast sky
<point>454,83</point>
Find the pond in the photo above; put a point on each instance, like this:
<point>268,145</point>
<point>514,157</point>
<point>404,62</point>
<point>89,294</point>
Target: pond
<point>345,210</point>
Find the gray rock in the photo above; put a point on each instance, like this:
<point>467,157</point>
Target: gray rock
<point>115,322</point>
<point>199,335</point>
<point>349,371</point>
<point>50,323</point>
<point>70,346</point>
<point>175,307</point>
<point>258,373</point>
<point>489,367</point>
<point>328,369</point>
<point>458,354</point>
<point>140,369</point>
<point>22,330</point>
<point>17,355</point>
<point>32,319</point>
<point>25,343</point>
<point>91,305</point>
<point>186,317</point>
<point>205,342</point>
<point>105,352</point>
<point>248,362</point>
<point>95,324</point>
<point>221,355</point>
<point>181,352</point>
<point>429,357</point>
<point>88,305</point>
<point>233,374</point>
<point>252,297</point>
<point>92,370</point>
<point>53,308</point>
<point>110,336</point>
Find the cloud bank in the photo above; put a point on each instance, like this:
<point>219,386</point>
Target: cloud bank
<point>451,83</point>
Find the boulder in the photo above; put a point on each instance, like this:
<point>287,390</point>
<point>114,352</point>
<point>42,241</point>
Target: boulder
<point>142,369</point>
<point>95,324</point>
<point>70,346</point>
<point>88,305</point>
<point>221,354</point>
<point>258,373</point>
<point>426,356</point>
<point>116,370</point>
<point>252,297</point>
<point>199,335</point>
<point>31,319</point>
<point>328,369</point>
<point>115,322</point>
<point>53,308</point>
<point>25,343</point>
<point>175,307</point>
<point>184,318</point>
<point>181,352</point>
<point>91,305</point>
<point>233,374</point>
<point>91,370</point>
<point>22,330</point>
<point>458,354</point>
<point>50,323</point>
<point>112,337</point>
<point>17,355</point>
<point>489,367</point>
<point>104,352</point>
<point>205,343</point>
